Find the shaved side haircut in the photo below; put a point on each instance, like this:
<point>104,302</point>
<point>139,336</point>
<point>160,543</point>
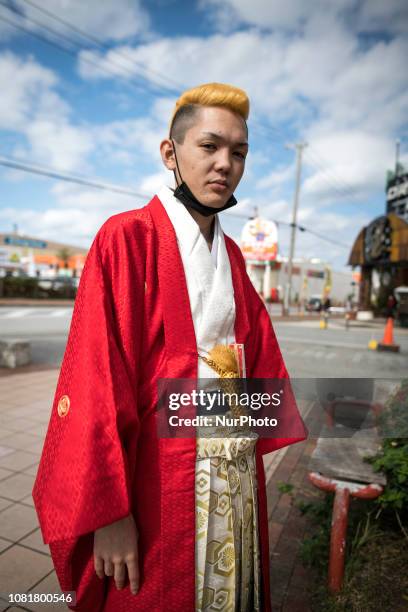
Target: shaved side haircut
<point>183,120</point>
<point>211,94</point>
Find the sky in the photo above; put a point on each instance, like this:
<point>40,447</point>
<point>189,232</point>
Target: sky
<point>87,89</point>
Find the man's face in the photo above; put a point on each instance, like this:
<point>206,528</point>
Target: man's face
<point>212,156</point>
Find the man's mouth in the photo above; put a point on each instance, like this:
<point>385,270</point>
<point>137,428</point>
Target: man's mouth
<point>219,182</point>
<point>219,185</point>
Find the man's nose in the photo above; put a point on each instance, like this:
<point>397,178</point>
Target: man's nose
<point>223,160</point>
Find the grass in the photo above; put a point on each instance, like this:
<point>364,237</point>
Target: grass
<point>376,581</point>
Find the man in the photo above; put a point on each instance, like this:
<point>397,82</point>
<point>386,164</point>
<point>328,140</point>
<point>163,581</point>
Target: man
<point>162,289</point>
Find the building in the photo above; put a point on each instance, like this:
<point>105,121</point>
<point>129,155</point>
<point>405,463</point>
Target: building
<point>381,248</point>
<point>269,271</point>
<point>21,254</point>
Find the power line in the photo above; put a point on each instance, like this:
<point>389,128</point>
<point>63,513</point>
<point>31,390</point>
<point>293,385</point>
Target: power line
<point>174,86</point>
<point>70,52</point>
<point>322,237</point>
<point>336,184</point>
<point>53,173</point>
<point>323,164</point>
<point>340,187</point>
<point>77,179</point>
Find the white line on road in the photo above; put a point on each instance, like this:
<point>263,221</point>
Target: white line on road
<point>61,312</point>
<point>16,314</point>
<point>35,312</point>
<point>326,343</point>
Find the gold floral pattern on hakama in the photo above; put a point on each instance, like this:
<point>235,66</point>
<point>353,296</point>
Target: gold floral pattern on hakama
<point>227,540</point>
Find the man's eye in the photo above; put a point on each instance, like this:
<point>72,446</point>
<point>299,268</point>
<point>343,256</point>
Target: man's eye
<point>208,146</point>
<point>240,155</point>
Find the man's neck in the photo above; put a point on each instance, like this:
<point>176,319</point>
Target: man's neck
<point>206,224</point>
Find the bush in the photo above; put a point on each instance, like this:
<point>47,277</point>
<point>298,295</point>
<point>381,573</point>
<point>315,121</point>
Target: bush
<point>392,459</point>
<point>15,286</point>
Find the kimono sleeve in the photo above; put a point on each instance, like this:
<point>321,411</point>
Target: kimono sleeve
<point>82,482</point>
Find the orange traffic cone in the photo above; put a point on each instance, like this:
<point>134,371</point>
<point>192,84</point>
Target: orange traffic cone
<point>387,343</point>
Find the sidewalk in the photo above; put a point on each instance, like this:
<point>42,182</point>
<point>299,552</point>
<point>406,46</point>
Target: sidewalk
<point>287,527</point>
<point>25,562</point>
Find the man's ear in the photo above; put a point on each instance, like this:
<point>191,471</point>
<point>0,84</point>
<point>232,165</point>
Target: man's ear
<point>167,154</point>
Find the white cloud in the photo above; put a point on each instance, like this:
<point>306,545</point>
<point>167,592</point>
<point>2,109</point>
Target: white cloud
<point>323,73</point>
<point>107,20</point>
<point>294,15</point>
<point>31,107</point>
<point>26,92</point>
<point>231,13</point>
<point>152,183</point>
<point>346,165</point>
<point>64,146</point>
<point>276,178</point>
<point>78,214</point>
<point>377,16</point>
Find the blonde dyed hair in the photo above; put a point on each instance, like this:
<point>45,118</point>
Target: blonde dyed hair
<point>214,94</point>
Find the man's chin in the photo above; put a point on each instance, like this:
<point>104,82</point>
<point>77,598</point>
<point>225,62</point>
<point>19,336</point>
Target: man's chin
<point>215,202</point>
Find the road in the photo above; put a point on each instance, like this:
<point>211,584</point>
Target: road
<point>308,350</point>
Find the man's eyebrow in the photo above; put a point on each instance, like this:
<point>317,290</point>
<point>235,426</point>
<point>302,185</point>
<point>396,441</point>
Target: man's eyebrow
<point>218,137</point>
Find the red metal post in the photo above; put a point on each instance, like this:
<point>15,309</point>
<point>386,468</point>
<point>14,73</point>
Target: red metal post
<point>343,490</point>
<point>338,538</point>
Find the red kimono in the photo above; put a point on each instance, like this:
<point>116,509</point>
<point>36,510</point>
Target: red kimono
<point>102,458</point>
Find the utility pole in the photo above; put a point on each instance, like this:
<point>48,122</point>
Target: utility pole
<point>397,154</point>
<point>288,289</point>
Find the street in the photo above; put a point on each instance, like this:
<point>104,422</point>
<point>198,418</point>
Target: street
<point>308,350</point>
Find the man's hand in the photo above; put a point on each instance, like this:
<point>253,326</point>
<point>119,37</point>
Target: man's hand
<point>115,549</point>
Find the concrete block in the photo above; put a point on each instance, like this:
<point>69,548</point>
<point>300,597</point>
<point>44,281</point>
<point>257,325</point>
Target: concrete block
<point>14,353</point>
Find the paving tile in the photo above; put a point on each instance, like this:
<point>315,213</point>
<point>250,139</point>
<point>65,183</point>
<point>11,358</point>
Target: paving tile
<point>5,450</point>
<point>275,530</point>
<point>18,460</point>
<point>5,473</point>
<point>300,577</point>
<point>4,432</point>
<point>21,568</point>
<point>296,600</point>
<point>17,521</point>
<point>13,401</point>
<point>4,503</point>
<point>28,500</point>
<point>33,469</point>
<point>16,486</point>
<point>19,424</point>
<point>40,429</point>
<point>4,605</point>
<point>282,509</point>
<point>35,540</point>
<point>3,545</point>
<point>50,584</point>
<point>19,412</point>
<point>36,447</point>
<point>20,440</point>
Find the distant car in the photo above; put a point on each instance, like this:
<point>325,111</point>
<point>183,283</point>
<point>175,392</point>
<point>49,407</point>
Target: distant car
<point>337,310</point>
<point>59,287</point>
<point>314,304</point>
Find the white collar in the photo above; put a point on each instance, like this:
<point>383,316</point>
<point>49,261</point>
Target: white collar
<point>186,228</point>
